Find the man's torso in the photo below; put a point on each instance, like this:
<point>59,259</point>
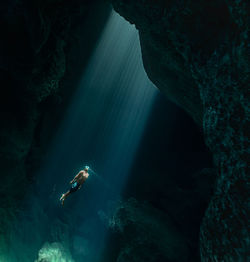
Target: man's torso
<point>82,178</point>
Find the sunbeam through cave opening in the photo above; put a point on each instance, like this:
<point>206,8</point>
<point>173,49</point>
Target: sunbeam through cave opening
<point>102,128</point>
<point>152,96</point>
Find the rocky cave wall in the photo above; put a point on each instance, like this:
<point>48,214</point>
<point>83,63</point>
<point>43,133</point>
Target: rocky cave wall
<point>41,41</point>
<point>205,46</point>
<point>36,43</point>
<point>201,46</point>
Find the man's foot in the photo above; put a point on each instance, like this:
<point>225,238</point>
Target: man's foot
<point>61,198</point>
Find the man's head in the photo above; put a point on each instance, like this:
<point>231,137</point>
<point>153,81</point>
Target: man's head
<point>86,169</point>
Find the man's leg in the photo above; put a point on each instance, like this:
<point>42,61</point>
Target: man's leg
<point>64,196</point>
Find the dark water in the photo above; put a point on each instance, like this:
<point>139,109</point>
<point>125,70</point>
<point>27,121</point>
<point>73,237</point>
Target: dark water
<point>102,128</point>
<point>105,127</point>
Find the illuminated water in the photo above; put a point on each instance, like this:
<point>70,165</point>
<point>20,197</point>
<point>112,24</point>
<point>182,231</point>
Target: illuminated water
<point>102,128</point>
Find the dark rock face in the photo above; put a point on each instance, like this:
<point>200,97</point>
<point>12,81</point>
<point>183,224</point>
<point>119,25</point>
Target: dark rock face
<point>148,234</point>
<point>37,38</point>
<point>35,41</point>
<point>204,47</point>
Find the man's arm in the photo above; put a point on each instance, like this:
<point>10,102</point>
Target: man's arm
<point>74,179</point>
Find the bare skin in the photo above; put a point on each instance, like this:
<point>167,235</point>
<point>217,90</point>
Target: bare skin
<point>80,178</point>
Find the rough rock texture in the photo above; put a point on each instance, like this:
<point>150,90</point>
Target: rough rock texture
<point>148,234</point>
<point>197,53</point>
<point>205,47</point>
<point>54,252</point>
<point>37,38</point>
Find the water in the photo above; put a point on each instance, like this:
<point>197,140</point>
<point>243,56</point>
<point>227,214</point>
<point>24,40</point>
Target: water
<point>102,128</point>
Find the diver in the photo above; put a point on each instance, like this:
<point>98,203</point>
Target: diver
<point>76,183</point>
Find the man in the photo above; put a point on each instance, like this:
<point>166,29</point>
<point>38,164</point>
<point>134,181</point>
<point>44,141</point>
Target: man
<point>76,183</point>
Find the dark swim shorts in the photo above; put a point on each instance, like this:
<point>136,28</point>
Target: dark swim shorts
<point>74,187</point>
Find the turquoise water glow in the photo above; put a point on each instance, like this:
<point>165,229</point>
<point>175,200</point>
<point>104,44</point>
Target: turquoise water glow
<point>102,128</point>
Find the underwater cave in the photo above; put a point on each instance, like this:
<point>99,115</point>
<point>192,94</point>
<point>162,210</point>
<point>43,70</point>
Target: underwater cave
<point>124,131</point>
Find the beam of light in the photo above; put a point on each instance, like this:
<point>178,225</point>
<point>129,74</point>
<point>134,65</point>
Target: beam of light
<point>102,128</point>
<point>105,122</point>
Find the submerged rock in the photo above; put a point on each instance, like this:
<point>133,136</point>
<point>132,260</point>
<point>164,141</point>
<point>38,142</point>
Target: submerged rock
<point>37,39</point>
<point>54,252</point>
<point>148,234</point>
<point>197,53</point>
<point>204,47</point>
